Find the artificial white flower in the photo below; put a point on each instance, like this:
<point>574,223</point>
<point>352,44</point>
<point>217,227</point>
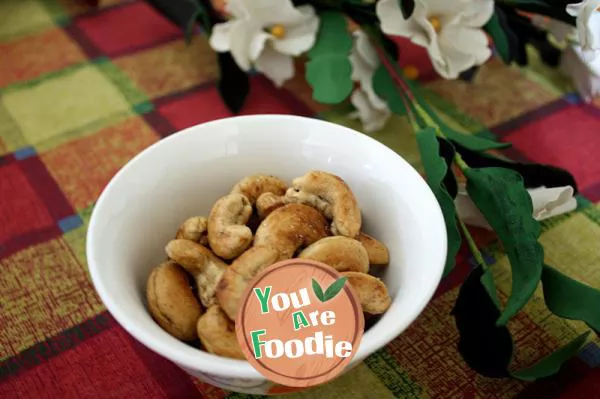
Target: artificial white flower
<point>370,108</point>
<point>588,26</point>
<point>372,118</point>
<point>585,74</point>
<point>547,202</point>
<point>450,30</point>
<point>266,35</point>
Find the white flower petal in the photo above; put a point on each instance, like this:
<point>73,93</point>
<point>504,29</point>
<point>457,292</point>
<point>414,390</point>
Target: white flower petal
<point>586,76</point>
<point>393,23</point>
<point>574,8</point>
<point>372,119</point>
<point>237,8</point>
<point>365,49</point>
<point>245,42</point>
<point>462,48</point>
<point>276,66</point>
<point>547,202</point>
<point>298,38</point>
<point>477,13</point>
<point>220,39</point>
<point>272,12</point>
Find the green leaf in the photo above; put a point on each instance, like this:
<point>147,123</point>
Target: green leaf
<point>436,170</point>
<point>495,30</point>
<point>484,346</point>
<point>333,36</point>
<point>552,363</point>
<point>386,88</point>
<point>329,77</point>
<point>334,289</point>
<point>317,290</point>
<point>571,299</point>
<point>534,175</point>
<point>469,141</point>
<point>505,203</point>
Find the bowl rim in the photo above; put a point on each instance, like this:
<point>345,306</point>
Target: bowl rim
<point>204,362</point>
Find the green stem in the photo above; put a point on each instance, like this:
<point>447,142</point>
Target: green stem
<point>472,245</point>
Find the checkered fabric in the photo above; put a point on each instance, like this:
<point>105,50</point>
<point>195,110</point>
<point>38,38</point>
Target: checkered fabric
<point>83,89</point>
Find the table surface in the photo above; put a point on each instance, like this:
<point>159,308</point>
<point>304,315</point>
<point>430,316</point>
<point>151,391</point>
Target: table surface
<point>82,90</point>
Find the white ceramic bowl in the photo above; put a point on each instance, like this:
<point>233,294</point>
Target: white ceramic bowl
<point>184,174</point>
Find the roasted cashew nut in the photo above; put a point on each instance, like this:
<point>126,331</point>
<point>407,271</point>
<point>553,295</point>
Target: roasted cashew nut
<point>267,203</point>
<point>377,251</point>
<point>228,234</point>
<point>194,229</point>
<point>341,253</point>
<point>171,301</point>
<point>201,263</point>
<point>217,334</point>
<point>238,275</point>
<point>332,196</point>
<point>256,185</point>
<point>289,228</point>
<point>371,291</point>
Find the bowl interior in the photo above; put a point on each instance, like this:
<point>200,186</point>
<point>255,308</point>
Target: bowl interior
<point>183,175</point>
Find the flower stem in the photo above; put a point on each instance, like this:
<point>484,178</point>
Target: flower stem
<point>472,245</point>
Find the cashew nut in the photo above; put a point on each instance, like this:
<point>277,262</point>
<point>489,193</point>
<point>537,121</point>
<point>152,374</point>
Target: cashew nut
<point>378,252</point>
<point>217,334</point>
<point>171,301</point>
<point>238,275</point>
<point>254,186</point>
<point>194,229</point>
<point>228,234</point>
<point>332,196</point>
<point>267,203</point>
<point>201,263</point>
<point>341,253</point>
<point>289,228</point>
<point>371,291</point>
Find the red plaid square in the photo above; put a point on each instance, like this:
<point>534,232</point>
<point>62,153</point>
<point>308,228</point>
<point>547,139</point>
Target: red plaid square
<point>124,29</point>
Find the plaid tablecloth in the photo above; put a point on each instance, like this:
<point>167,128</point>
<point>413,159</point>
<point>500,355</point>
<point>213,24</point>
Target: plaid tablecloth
<point>82,90</point>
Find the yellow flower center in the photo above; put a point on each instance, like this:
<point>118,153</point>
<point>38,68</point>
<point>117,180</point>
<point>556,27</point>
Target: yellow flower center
<point>278,31</point>
<point>411,72</point>
<point>436,23</point>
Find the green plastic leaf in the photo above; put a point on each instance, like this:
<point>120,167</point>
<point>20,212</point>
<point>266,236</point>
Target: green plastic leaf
<point>386,88</point>
<point>551,364</point>
<point>436,169</point>
<point>334,289</point>
<point>495,30</point>
<point>329,77</point>
<point>333,36</point>
<point>534,174</point>
<point>484,346</point>
<point>317,290</point>
<point>571,299</point>
<point>469,141</point>
<point>505,203</point>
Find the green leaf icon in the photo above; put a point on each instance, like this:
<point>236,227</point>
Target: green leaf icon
<point>334,288</point>
<point>317,290</point>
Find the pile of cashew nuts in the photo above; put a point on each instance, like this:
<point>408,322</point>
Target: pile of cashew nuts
<point>195,294</point>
